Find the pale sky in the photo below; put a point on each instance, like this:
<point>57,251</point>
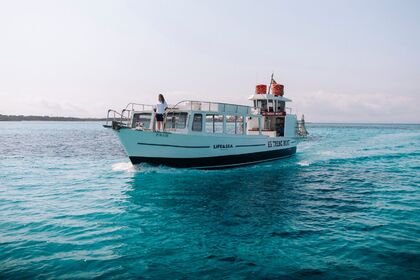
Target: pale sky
<point>340,61</point>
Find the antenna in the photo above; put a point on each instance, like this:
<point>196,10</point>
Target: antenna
<point>271,81</point>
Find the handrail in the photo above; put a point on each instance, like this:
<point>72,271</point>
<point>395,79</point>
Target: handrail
<point>129,111</point>
<point>115,115</point>
<point>200,104</point>
<point>194,105</point>
<point>126,115</point>
<point>132,104</point>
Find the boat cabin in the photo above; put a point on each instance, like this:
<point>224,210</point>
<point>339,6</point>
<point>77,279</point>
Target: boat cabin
<point>267,117</point>
<point>276,121</point>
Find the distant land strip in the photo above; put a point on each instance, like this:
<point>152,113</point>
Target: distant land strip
<point>46,118</point>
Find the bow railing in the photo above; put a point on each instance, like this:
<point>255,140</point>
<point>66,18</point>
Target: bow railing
<point>124,118</point>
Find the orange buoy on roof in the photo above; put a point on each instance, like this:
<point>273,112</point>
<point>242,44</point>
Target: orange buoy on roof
<point>277,89</point>
<point>261,89</point>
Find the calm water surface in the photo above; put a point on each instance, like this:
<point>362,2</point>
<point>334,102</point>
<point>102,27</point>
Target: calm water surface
<point>347,205</point>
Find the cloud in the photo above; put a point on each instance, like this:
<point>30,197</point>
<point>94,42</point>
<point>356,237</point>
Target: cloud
<point>322,106</point>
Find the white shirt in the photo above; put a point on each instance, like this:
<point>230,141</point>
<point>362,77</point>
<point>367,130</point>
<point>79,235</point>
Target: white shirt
<point>160,107</point>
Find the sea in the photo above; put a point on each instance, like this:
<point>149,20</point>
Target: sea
<point>346,206</point>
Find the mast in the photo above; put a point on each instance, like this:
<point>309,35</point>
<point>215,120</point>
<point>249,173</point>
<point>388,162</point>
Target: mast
<point>271,81</point>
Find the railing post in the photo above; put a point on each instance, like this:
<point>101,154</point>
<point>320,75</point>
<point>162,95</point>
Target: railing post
<point>107,117</point>
<point>122,114</point>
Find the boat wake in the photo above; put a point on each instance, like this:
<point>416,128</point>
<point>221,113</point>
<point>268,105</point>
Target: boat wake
<point>145,168</point>
<point>123,166</point>
<point>304,163</point>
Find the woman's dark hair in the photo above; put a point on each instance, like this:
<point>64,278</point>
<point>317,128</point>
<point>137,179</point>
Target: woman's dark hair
<point>161,98</point>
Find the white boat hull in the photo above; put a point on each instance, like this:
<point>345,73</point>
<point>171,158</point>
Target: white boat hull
<point>206,151</point>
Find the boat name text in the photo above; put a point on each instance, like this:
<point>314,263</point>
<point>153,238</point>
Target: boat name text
<point>279,143</point>
<point>222,146</point>
<point>162,134</point>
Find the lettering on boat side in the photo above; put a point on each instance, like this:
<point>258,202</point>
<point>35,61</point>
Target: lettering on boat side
<point>279,143</point>
<point>222,146</point>
<point>161,134</point>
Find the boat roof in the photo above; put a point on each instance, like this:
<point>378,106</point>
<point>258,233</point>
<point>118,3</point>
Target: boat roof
<point>191,105</point>
<point>206,106</point>
<point>268,96</point>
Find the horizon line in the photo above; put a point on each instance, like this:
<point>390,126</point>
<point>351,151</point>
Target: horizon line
<point>102,118</point>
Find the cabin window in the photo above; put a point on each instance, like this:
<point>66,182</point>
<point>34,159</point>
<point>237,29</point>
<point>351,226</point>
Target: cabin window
<point>263,105</point>
<point>270,106</point>
<point>234,124</point>
<point>239,129</point>
<point>280,126</point>
<point>176,120</point>
<point>281,106</point>
<point>267,123</point>
<point>197,124</point>
<point>209,124</point>
<point>142,120</point>
<point>230,124</point>
<point>214,123</point>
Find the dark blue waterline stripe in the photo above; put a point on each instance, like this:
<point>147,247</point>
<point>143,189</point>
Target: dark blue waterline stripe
<point>218,161</point>
<point>175,146</point>
<point>241,163</point>
<point>254,145</point>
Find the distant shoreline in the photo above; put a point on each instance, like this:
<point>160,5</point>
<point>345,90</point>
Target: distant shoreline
<point>18,118</point>
<point>46,118</point>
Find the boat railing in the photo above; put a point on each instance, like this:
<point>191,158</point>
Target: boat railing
<point>135,107</point>
<point>116,117</point>
<point>124,117</point>
<point>258,111</point>
<point>204,106</point>
<point>138,107</point>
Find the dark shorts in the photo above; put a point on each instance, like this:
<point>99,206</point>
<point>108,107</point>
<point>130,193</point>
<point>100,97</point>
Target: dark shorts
<point>159,117</point>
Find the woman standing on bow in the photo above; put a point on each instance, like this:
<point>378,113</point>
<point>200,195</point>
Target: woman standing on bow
<point>160,110</point>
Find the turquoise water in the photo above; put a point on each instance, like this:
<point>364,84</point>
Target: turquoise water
<point>345,206</point>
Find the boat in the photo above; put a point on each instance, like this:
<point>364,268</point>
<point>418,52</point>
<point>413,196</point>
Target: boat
<point>210,135</point>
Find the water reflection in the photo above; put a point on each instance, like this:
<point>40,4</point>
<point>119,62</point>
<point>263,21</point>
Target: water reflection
<point>264,192</point>
<point>209,216</point>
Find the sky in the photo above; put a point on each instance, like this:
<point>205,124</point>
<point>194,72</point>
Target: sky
<point>340,61</point>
